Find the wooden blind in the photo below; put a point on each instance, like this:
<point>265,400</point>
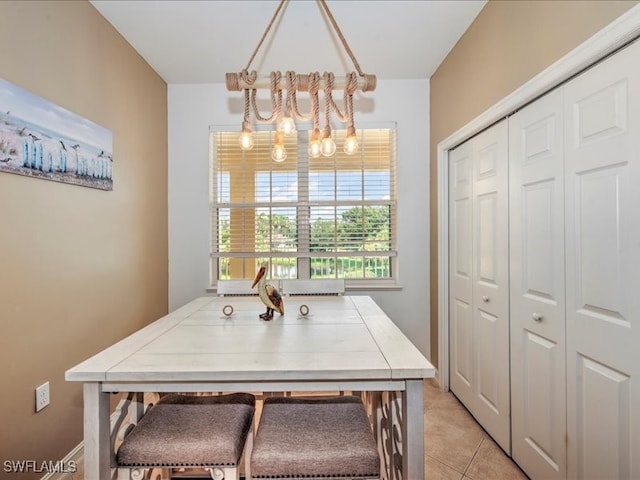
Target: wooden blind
<point>327,217</point>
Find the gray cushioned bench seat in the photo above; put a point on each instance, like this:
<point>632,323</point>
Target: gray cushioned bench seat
<point>190,431</point>
<point>323,437</point>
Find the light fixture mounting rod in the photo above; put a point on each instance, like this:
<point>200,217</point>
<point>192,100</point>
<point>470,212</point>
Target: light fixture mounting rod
<point>236,82</point>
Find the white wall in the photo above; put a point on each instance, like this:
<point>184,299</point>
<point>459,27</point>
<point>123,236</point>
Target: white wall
<point>194,108</point>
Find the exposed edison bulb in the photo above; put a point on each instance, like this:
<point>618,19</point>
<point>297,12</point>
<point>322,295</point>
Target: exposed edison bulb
<point>315,144</point>
<point>351,145</point>
<point>246,140</point>
<point>328,147</point>
<point>287,126</point>
<point>315,148</point>
<point>278,153</point>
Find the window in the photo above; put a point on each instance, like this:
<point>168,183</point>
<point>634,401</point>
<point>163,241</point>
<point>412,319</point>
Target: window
<point>312,218</point>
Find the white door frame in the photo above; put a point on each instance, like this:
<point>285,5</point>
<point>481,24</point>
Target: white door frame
<point>618,33</point>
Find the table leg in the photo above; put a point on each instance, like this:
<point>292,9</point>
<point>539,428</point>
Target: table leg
<point>413,432</point>
<point>97,451</point>
<point>386,414</point>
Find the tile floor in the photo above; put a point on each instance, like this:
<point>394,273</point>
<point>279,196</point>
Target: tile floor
<point>457,448</point>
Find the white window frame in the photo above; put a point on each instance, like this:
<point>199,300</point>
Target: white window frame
<point>303,255</point>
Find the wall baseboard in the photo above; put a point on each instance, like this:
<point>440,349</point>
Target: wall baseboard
<point>70,464</point>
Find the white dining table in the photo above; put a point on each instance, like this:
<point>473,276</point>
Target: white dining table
<point>219,344</point>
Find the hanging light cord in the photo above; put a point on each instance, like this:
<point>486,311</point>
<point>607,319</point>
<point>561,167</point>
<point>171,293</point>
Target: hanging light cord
<point>264,35</point>
<point>325,7</point>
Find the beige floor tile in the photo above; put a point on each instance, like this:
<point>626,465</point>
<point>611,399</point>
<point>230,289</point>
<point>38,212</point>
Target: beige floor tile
<point>491,463</point>
<point>451,434</point>
<point>432,393</point>
<point>448,400</point>
<point>436,470</point>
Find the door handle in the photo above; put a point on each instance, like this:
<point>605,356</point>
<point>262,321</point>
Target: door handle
<point>537,317</point>
<point>485,299</point>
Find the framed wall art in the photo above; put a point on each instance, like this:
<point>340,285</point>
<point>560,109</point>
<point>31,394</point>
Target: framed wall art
<point>43,140</point>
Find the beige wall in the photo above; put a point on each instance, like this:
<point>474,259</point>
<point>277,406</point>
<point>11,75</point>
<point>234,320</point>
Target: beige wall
<point>79,268</point>
<point>507,45</point>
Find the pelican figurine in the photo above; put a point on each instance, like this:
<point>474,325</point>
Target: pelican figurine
<point>268,294</point>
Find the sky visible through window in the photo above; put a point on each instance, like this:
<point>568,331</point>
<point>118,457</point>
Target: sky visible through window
<point>283,187</point>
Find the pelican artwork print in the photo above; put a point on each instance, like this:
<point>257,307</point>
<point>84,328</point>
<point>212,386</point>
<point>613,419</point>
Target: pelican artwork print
<point>43,140</point>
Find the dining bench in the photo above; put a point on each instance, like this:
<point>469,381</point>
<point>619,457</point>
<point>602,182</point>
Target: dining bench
<point>314,437</point>
<point>208,432</point>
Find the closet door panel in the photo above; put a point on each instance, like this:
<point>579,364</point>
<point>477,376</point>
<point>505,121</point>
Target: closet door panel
<point>604,422</point>
<point>478,276</point>
<point>460,273</point>
<point>491,282</point>
<point>603,264</point>
<point>537,309</point>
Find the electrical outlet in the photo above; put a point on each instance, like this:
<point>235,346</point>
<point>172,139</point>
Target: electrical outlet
<point>42,396</point>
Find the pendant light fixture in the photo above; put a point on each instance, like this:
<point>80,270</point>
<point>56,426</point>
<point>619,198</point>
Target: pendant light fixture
<point>287,86</point>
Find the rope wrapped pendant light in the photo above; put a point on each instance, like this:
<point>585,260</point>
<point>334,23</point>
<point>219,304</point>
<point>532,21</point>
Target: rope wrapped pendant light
<point>284,116</point>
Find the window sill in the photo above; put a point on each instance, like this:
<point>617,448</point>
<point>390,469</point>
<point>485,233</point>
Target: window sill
<point>352,287</point>
<point>377,286</point>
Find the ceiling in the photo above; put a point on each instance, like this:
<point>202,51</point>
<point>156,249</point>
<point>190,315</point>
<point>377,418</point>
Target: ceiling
<point>200,41</point>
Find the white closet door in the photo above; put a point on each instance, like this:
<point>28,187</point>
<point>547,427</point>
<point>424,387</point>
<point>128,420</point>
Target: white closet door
<point>491,282</point>
<point>602,138</point>
<point>536,191</point>
<point>479,276</point>
<point>460,273</point>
